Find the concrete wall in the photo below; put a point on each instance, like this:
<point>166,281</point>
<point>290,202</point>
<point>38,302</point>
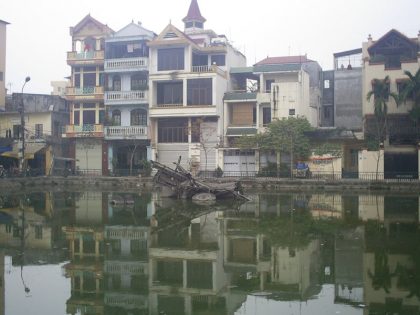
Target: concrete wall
<point>348,99</point>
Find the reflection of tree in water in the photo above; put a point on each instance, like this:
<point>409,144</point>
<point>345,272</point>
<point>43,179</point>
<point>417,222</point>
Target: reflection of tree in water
<point>381,276</point>
<point>409,276</point>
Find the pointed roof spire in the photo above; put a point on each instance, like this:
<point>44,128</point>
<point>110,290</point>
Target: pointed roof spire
<point>194,13</point>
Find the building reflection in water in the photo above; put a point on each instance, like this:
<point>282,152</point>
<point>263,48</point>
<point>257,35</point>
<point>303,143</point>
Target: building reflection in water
<point>141,254</point>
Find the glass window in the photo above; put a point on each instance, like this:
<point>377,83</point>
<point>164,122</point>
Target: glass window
<point>171,59</point>
<point>268,85</point>
<point>138,82</point>
<point>173,131</point>
<point>138,117</point>
<point>266,115</point>
<point>199,92</point>
<point>170,93</point>
<point>116,117</point>
<point>116,83</point>
<point>76,117</point>
<point>219,60</point>
<point>291,112</point>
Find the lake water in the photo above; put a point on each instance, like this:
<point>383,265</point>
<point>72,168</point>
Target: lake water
<point>118,253</point>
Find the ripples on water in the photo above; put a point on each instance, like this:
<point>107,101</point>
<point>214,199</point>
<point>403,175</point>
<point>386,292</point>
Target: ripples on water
<point>125,253</point>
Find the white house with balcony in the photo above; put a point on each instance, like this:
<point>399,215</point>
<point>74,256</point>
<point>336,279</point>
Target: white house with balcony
<point>188,76</point>
<point>274,88</point>
<point>126,97</point>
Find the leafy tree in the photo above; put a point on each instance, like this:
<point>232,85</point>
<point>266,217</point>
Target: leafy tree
<point>288,135</point>
<point>381,94</point>
<point>411,91</point>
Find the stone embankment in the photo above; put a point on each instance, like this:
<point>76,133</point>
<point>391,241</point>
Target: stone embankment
<point>47,183</point>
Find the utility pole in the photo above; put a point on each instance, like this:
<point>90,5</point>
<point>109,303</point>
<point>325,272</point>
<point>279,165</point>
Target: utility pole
<point>22,124</point>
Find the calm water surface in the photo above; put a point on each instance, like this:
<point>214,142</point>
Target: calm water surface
<point>95,253</point>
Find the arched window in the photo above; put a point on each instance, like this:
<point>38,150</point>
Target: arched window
<point>116,83</point>
<point>138,117</point>
<point>138,82</point>
<point>116,117</point>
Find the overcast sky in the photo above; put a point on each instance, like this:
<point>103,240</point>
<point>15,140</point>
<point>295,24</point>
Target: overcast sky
<point>38,36</point>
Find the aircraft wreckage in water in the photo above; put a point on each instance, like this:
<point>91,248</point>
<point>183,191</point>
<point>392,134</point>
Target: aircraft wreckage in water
<point>181,184</point>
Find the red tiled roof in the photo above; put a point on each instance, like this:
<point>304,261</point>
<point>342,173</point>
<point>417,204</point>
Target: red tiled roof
<point>194,13</point>
<point>283,60</point>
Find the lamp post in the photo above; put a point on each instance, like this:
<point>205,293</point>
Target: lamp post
<point>22,123</point>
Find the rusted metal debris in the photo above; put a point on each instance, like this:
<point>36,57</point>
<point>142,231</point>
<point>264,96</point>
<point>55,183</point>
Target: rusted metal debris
<point>182,184</point>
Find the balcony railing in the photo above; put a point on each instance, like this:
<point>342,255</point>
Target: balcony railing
<point>169,105</point>
<point>129,132</point>
<point>86,57</point>
<point>124,97</point>
<point>75,131</point>
<point>126,64</point>
<point>89,92</point>
<point>208,69</point>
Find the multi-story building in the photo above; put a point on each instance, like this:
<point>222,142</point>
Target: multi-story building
<point>188,76</point>
<point>391,55</point>
<point>44,116</point>
<point>274,88</point>
<point>3,25</point>
<point>342,92</point>
<point>86,96</point>
<point>126,97</point>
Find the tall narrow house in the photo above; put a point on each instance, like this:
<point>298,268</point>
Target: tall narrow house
<point>86,96</point>
<point>188,76</point>
<point>126,98</point>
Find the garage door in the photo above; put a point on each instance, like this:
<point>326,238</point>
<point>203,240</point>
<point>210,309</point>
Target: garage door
<point>89,156</point>
<point>238,162</point>
<point>167,154</point>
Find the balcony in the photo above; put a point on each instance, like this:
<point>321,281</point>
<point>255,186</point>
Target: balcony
<point>208,69</point>
<point>83,131</point>
<point>127,64</point>
<point>126,133</point>
<point>125,97</point>
<point>179,110</point>
<point>95,93</point>
<point>85,58</point>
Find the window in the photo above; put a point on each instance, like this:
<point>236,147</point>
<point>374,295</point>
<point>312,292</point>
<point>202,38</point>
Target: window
<point>116,117</point>
<point>354,155</point>
<point>199,92</point>
<point>219,60</point>
<point>173,131</point>
<point>89,79</point>
<point>170,93</point>
<point>89,117</point>
<point>8,228</point>
<point>401,85</point>
<point>200,60</point>
<point>76,118</point>
<point>116,83</point>
<point>16,131</point>
<point>101,116</point>
<point>138,117</point>
<point>171,59</point>
<point>291,112</point>
<point>326,84</point>
<point>266,115</point>
<point>38,232</point>
<point>327,112</point>
<point>138,82</point>
<point>268,85</point>
<point>38,130</point>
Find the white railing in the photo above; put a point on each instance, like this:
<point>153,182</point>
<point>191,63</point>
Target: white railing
<point>126,300</point>
<point>205,68</point>
<point>128,132</point>
<point>131,64</point>
<point>115,97</point>
<point>126,267</point>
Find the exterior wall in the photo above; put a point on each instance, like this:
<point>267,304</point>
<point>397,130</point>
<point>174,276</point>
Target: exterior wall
<point>368,162</point>
<point>2,63</point>
<point>88,154</point>
<point>59,87</point>
<point>378,71</point>
<point>348,99</point>
<point>328,99</point>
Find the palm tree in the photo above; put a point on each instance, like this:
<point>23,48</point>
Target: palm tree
<point>411,90</point>
<point>381,94</point>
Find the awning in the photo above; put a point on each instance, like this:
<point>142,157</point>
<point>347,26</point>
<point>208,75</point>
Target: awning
<point>30,150</point>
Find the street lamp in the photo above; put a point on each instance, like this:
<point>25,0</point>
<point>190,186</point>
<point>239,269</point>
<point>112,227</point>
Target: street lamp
<point>22,123</point>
